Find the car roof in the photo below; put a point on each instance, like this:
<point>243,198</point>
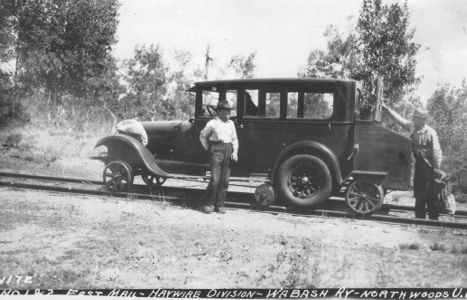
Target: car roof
<point>271,80</point>
<point>267,81</point>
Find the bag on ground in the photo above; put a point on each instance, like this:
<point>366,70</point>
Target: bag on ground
<point>445,202</point>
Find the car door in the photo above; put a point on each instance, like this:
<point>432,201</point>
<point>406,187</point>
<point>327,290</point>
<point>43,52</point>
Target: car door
<point>194,157</point>
<point>259,129</point>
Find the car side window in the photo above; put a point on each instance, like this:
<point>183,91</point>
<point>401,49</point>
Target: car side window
<point>231,97</point>
<point>251,103</point>
<point>262,104</point>
<point>212,97</point>
<point>209,98</point>
<point>318,105</point>
<point>273,105</point>
<point>292,105</point>
<point>310,105</point>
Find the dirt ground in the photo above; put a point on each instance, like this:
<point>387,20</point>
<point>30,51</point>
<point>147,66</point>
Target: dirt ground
<point>68,241</point>
<point>74,241</point>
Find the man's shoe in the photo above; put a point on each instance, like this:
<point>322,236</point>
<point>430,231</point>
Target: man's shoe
<point>220,210</point>
<point>206,209</point>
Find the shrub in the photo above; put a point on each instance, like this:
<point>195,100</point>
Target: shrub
<point>412,246</point>
<point>438,246</point>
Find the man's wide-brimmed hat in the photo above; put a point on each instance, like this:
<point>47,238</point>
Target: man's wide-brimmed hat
<point>224,104</point>
<point>420,113</point>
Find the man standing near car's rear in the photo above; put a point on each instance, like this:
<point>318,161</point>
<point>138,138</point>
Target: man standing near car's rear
<point>427,152</point>
<point>219,137</point>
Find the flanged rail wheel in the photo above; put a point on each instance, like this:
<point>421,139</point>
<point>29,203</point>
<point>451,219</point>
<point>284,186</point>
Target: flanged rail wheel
<point>304,180</point>
<point>118,176</point>
<point>364,197</point>
<point>265,195</point>
<point>152,180</point>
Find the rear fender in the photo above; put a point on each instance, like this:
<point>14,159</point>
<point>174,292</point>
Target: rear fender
<point>371,176</point>
<point>130,150</point>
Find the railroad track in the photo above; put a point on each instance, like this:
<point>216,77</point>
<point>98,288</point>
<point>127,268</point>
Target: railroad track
<point>334,207</point>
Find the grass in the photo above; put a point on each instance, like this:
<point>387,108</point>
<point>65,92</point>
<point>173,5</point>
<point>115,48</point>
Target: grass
<point>410,246</point>
<point>459,250</point>
<point>461,197</point>
<point>438,246</point>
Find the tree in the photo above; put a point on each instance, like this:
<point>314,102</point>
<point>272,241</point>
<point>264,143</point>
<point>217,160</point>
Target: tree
<point>6,56</point>
<point>146,79</point>
<point>380,45</point>
<point>448,114</point>
<point>339,61</point>
<point>387,49</point>
<point>61,46</point>
<point>243,66</point>
<point>180,78</point>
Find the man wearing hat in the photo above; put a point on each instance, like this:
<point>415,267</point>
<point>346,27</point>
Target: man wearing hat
<point>428,155</point>
<point>219,137</point>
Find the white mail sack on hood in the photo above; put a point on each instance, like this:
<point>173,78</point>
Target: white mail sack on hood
<point>134,128</point>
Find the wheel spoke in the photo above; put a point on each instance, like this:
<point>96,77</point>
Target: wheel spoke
<point>365,206</point>
<point>370,205</point>
<point>373,200</point>
<point>360,206</point>
<point>354,194</point>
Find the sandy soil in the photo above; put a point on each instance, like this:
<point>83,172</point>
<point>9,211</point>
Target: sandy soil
<point>69,241</point>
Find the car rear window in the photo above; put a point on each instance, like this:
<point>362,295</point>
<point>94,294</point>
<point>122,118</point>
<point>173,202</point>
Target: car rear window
<point>270,107</point>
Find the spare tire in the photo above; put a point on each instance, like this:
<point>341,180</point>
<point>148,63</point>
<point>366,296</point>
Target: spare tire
<point>304,180</point>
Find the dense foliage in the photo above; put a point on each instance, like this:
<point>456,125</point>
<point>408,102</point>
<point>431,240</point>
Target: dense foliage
<point>380,45</point>
<point>448,113</point>
<point>59,53</point>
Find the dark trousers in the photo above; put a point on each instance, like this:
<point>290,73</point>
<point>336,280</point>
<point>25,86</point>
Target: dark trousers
<point>219,160</point>
<point>423,191</point>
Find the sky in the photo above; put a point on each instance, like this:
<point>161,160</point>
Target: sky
<point>283,32</point>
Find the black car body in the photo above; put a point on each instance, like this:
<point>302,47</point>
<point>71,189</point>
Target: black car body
<point>294,131</point>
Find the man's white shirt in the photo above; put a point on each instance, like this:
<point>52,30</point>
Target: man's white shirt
<point>217,130</point>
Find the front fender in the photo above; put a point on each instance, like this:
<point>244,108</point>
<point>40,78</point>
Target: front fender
<point>315,148</point>
<point>127,148</point>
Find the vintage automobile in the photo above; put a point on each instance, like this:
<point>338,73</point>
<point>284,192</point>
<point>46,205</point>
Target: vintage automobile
<point>305,135</point>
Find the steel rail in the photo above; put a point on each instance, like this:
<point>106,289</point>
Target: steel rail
<point>270,210</point>
<point>68,179</point>
<point>333,202</point>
